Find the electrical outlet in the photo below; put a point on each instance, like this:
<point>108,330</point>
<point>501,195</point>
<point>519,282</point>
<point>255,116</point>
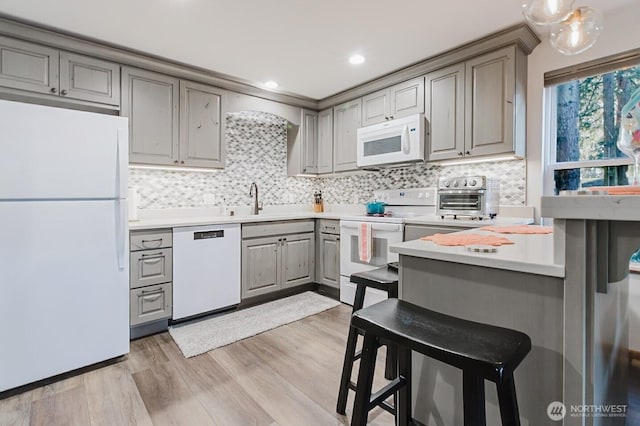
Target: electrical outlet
<point>209,198</point>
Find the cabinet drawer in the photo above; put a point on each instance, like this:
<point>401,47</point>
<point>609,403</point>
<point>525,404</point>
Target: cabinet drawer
<point>151,239</point>
<point>327,226</point>
<point>151,267</point>
<point>253,230</point>
<point>150,304</point>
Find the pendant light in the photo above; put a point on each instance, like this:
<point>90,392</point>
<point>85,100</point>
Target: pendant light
<point>545,12</point>
<point>577,32</point>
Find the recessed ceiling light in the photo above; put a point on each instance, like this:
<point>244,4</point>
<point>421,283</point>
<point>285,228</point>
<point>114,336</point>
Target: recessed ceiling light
<point>356,59</point>
<point>271,84</point>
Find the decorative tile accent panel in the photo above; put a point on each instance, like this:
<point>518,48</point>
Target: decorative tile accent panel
<point>257,152</point>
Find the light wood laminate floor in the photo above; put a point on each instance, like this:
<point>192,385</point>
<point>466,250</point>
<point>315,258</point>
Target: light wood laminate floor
<point>286,376</point>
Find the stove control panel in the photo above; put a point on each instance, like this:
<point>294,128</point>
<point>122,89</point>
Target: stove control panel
<point>407,197</point>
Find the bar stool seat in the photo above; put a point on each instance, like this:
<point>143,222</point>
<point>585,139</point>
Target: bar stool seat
<point>385,279</point>
<point>481,351</point>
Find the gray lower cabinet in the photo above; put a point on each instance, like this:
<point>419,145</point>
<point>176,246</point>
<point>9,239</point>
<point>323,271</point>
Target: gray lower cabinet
<point>173,122</point>
<point>328,249</point>
<point>150,281</point>
<point>276,256</point>
<point>477,107</point>
<point>346,120</point>
<point>35,68</point>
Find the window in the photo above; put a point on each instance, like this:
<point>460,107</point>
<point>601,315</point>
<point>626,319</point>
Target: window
<point>584,117</point>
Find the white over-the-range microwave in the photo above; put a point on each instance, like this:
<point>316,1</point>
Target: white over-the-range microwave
<point>393,142</point>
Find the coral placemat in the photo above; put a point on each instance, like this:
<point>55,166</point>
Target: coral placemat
<point>519,229</point>
<point>467,239</point>
<point>617,190</point>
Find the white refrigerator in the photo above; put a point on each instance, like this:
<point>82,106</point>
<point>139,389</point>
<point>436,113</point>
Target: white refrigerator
<point>64,270</point>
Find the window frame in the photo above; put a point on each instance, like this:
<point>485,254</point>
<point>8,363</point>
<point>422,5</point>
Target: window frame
<point>554,78</point>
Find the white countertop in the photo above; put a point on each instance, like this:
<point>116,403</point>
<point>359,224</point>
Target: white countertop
<point>466,222</point>
<point>598,207</point>
<point>530,253</point>
<point>174,222</point>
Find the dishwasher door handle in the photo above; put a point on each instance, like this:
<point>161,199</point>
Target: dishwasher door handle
<point>205,235</point>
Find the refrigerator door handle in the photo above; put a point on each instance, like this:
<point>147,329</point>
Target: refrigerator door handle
<point>123,161</point>
<point>121,241</point>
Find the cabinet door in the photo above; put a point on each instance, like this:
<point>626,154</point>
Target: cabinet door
<point>325,141</point>
<point>444,109</point>
<point>407,98</point>
<point>89,79</point>
<point>28,66</point>
<point>329,257</point>
<point>202,124</point>
<point>490,87</point>
<point>346,120</point>
<point>261,266</point>
<point>150,100</point>
<point>310,142</point>
<point>298,259</point>
<point>375,107</point>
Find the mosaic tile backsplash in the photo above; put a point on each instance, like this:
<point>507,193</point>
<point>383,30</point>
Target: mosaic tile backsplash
<point>257,152</point>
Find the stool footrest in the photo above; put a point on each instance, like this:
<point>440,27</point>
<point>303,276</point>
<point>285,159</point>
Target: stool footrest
<point>384,393</point>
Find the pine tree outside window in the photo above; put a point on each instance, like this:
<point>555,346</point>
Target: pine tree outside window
<point>584,119</point>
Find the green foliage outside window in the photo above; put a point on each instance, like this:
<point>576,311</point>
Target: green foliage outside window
<point>588,120</point>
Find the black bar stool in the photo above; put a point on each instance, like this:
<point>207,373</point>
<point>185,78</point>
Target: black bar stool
<point>481,351</point>
<point>385,279</point>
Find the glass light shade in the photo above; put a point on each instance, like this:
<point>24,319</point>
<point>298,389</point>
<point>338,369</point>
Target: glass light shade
<point>629,135</point>
<point>577,32</point>
<point>545,12</point>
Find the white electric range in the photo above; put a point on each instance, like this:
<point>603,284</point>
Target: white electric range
<point>386,230</point>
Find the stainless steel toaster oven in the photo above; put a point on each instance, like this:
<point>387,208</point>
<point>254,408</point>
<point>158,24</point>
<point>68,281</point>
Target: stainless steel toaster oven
<point>474,196</point>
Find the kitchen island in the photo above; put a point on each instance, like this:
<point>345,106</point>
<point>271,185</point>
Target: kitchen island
<point>548,286</point>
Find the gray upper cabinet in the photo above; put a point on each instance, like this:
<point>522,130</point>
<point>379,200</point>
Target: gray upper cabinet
<point>375,107</point>
<point>173,122</point>
<point>325,141</point>
<point>444,109</point>
<point>397,101</point>
<point>150,100</point>
<point>310,141</point>
<point>346,120</point>
<point>28,66</point>
<point>89,79</point>
<point>40,69</point>
<point>202,126</point>
<point>490,83</point>
<point>477,108</point>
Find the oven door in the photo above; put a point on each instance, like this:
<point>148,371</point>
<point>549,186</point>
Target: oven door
<point>382,236</point>
<point>461,201</point>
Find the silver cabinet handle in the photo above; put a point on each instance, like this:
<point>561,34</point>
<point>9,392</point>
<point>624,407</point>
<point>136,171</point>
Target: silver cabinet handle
<point>468,152</point>
<point>460,153</point>
<point>54,90</point>
<point>157,240</point>
<point>63,92</point>
<point>175,161</point>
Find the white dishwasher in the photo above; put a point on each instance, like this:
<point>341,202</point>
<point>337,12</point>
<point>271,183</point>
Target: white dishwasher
<point>206,269</point>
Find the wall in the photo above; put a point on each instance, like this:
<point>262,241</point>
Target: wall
<point>256,152</point>
<point>621,32</point>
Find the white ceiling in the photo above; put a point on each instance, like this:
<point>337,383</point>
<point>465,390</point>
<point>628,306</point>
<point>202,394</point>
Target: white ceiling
<point>301,44</point>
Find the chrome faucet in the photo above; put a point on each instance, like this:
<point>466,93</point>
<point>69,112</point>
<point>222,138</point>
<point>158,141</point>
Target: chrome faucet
<point>256,209</point>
